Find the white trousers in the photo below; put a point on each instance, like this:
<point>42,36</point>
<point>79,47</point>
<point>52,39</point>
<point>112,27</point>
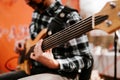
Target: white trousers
<point>45,76</point>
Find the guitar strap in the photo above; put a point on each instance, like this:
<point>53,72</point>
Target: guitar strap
<point>63,14</point>
<point>59,22</point>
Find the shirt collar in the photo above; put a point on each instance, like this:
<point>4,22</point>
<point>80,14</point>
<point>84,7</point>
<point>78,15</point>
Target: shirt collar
<point>53,7</point>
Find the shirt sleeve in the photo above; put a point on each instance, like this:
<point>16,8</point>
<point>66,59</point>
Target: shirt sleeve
<point>34,24</point>
<point>79,49</point>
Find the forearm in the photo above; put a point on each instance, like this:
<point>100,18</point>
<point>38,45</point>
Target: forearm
<point>50,63</point>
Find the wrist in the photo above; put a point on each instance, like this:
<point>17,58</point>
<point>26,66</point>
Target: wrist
<point>56,64</point>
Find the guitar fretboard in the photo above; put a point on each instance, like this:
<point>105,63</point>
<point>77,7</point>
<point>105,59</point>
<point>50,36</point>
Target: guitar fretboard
<point>71,32</point>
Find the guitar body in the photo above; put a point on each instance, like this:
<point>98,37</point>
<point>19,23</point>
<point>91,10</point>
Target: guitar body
<point>29,48</point>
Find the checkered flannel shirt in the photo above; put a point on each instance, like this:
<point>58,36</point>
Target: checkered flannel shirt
<point>70,55</point>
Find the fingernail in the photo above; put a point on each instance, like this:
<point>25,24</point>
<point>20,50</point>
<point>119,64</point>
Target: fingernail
<point>33,54</point>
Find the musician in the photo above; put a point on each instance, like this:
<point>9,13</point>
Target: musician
<point>68,61</point>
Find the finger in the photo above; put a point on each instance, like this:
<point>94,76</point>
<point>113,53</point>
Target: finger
<point>32,55</point>
<point>21,46</point>
<point>49,51</point>
<point>38,45</point>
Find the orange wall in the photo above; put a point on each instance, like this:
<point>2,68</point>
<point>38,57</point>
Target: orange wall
<point>15,17</point>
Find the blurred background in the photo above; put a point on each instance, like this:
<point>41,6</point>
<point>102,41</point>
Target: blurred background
<point>15,17</point>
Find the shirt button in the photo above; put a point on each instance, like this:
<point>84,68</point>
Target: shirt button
<point>62,15</point>
<point>49,32</point>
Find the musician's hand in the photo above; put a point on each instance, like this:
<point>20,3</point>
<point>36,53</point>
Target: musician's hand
<point>46,58</point>
<point>19,46</point>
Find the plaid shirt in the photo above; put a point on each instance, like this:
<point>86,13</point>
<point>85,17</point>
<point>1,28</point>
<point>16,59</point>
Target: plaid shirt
<point>72,56</point>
